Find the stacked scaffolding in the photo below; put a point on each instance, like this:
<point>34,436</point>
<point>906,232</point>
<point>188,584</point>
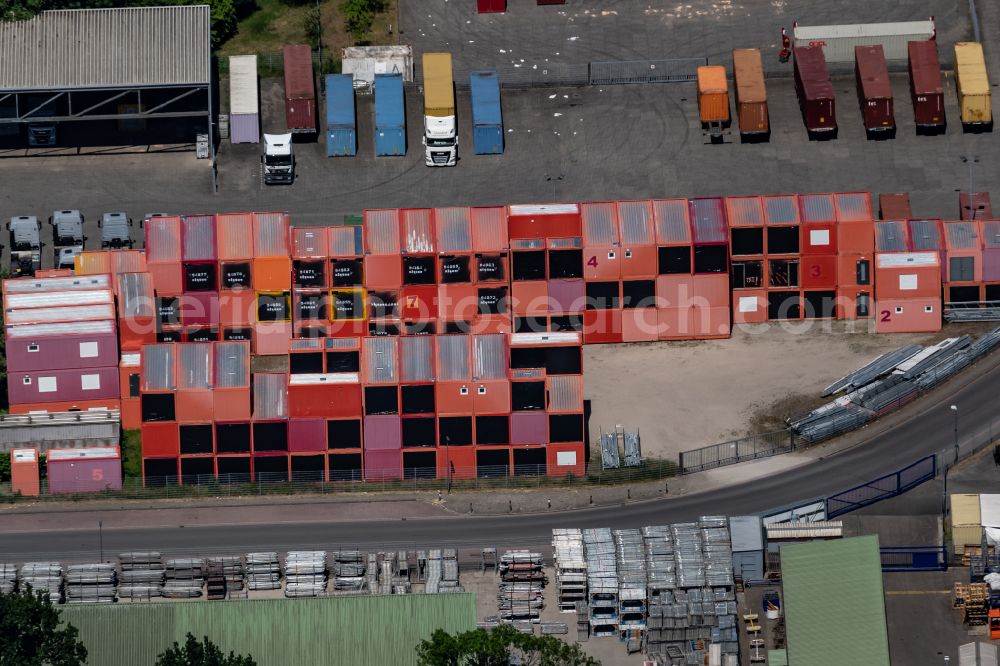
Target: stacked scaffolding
<point>90,583</point>
<point>263,572</point>
<point>630,561</point>
<point>371,573</point>
<point>305,573</point>
<point>582,621</point>
<point>521,588</point>
<point>184,577</point>
<point>348,571</point>
<point>8,577</point>
<point>442,571</point>
<point>602,581</point>
<point>45,577</point>
<point>571,568</point>
<point>141,575</point>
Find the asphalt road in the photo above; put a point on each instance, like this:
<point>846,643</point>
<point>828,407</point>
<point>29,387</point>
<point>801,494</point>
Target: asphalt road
<point>928,428</point>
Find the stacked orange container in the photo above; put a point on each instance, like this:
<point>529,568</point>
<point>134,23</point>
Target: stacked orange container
<point>237,304</point>
<point>272,282</point>
<point>855,255</point>
<point>310,298</point>
<point>199,304</point>
<point>907,283</point>
<point>270,427</point>
<point>383,271</point>
<point>24,472</point>
<point>347,304</point>
<point>818,262</point>
<point>160,434</point>
<point>491,269</point>
<point>963,263</point>
<point>163,255</point>
<point>638,270</point>
<point>383,436</point>
<point>418,423</point>
<point>343,435</point>
<point>748,265</point>
<point>418,295</point>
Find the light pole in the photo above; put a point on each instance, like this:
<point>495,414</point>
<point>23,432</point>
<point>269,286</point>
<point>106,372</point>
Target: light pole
<point>971,161</point>
<point>954,408</point>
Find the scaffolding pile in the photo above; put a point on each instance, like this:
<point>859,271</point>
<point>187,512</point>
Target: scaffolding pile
<point>571,568</point>
<point>305,573</point>
<point>90,583</point>
<point>184,577</point>
<point>522,583</point>
<point>226,574</point>
<point>442,571</point>
<point>263,572</point>
<point>348,571</point>
<point>602,581</point>
<point>630,561</point>
<point>141,575</point>
<point>8,577</point>
<point>45,577</point>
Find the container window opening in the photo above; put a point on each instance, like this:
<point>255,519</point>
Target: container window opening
<point>463,391</point>
<point>32,347</point>
<point>26,381</point>
<point>928,309</point>
<point>481,390</point>
<point>899,310</point>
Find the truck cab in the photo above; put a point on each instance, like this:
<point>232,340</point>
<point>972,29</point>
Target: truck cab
<point>41,134</point>
<point>440,141</point>
<point>25,245</point>
<point>66,257</point>
<point>278,159</point>
<point>67,227</point>
<point>115,232</point>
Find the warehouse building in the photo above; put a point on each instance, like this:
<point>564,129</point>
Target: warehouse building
<point>123,76</point>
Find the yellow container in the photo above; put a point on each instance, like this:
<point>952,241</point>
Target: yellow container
<point>965,509</point>
<point>92,263</point>
<point>965,535</point>
<point>973,84</point>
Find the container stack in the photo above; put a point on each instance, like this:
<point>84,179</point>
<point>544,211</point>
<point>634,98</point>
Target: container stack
<point>571,568</point>
<point>907,281</point>
<point>90,583</point>
<point>602,581</point>
<point>184,577</point>
<point>263,571</point>
<point>855,255</point>
<point>963,261</point>
<point>86,469</point>
<point>305,573</point>
<point>45,577</point>
<point>62,344</point>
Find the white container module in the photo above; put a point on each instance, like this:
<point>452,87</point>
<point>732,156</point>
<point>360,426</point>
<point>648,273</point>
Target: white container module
<point>244,100</point>
<point>838,41</point>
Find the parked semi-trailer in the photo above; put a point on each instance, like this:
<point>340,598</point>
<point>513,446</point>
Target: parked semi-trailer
<point>390,115</point>
<point>487,121</point>
<point>751,95</point>
<point>440,136</point>
<point>926,89</point>
<point>341,126</point>
<point>300,90</point>
<point>815,92</point>
<point>973,87</point>
<point>874,91</point>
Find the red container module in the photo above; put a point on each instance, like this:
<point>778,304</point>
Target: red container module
<point>491,6</point>
<point>874,91</point>
<point>815,92</point>
<point>300,90</point>
<point>84,470</point>
<point>63,385</point>
<point>894,206</point>
<point>85,344</point>
<point>975,206</point>
<point>926,89</point>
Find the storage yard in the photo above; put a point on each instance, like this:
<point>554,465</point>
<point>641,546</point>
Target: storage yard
<point>492,253</point>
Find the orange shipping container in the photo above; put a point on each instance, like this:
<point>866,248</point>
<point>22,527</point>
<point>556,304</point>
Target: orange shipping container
<point>751,94</point>
<point>905,275</point>
<point>910,315</point>
<point>750,306</point>
<point>713,95</point>
<point>234,235</point>
<point>24,472</point>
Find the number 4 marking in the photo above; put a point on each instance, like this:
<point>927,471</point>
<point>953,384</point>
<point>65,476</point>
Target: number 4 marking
<point>592,262</point>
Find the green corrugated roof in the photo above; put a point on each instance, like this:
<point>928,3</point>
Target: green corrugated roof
<point>277,632</point>
<point>833,603</point>
<point>777,658</point>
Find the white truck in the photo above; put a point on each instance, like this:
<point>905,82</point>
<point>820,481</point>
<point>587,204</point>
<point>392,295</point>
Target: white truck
<point>440,135</point>
<point>278,159</point>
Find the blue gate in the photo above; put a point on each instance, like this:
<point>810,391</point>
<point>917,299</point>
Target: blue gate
<point>914,558</point>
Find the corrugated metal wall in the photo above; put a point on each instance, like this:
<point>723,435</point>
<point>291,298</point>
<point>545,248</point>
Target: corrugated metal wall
<point>234,233</point>
<point>198,237</point>
<point>636,219</point>
<point>490,352</point>
<point>382,231</point>
<point>195,366</point>
<point>417,354</point>
<point>346,242</point>
<point>158,367</point>
<point>454,229</point>
<point>380,360</point>
<point>231,364</point>
<point>270,235</point>
<point>335,631</point>
<point>453,358</point>
<point>270,396</point>
<point>489,229</point>
<point>781,209</point>
<point>163,239</point>
<point>418,230</point>
<point>818,208</point>
<point>566,393</point>
<point>135,295</point>
<point>672,221</point>
<point>599,226</point>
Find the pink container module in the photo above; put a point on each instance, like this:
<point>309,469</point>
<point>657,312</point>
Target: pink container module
<point>529,427</point>
<point>383,465</point>
<point>383,433</point>
<point>63,385</point>
<point>306,435</point>
<point>85,344</point>
<point>85,470</point>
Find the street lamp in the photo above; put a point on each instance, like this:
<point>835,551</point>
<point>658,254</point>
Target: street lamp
<point>954,408</point>
<point>971,161</point>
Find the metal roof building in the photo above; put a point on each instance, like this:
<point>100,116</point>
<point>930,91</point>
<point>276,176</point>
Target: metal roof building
<point>136,64</point>
<point>834,606</point>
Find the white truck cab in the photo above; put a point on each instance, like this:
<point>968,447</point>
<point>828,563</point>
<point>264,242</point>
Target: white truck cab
<point>440,141</point>
<point>278,159</point>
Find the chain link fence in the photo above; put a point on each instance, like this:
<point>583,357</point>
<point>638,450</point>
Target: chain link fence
<point>497,477</point>
<point>735,451</point>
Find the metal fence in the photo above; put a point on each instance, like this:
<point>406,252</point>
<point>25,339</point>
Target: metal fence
<point>884,487</point>
<point>412,479</point>
<point>645,71</point>
<point>273,64</point>
<point>737,450</point>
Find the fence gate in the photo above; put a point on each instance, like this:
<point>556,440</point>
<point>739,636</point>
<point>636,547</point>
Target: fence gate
<point>882,488</point>
<point>645,71</point>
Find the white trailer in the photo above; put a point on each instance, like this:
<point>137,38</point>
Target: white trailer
<point>838,41</point>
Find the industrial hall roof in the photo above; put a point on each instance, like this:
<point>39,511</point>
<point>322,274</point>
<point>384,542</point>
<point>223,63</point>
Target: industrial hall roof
<point>106,48</point>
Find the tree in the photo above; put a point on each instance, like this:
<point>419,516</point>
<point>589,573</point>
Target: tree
<point>4,467</point>
<point>495,648</point>
<point>359,14</point>
<point>30,634</point>
<point>201,653</point>
<point>313,24</point>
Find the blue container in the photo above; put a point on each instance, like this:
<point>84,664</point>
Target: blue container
<point>487,122</point>
<point>341,129</point>
<point>390,115</point>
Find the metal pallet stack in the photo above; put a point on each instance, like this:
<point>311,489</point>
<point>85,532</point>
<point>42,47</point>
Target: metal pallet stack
<point>90,583</point>
<point>141,575</point>
<point>263,571</point>
<point>582,621</point>
<point>602,581</point>
<point>522,582</point>
<point>371,573</point>
<point>630,561</point>
<point>8,577</point>
<point>348,571</point>
<point>442,571</point>
<point>184,577</point>
<point>43,577</point>
<point>305,573</point>
<point>232,570</point>
<point>571,568</point>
